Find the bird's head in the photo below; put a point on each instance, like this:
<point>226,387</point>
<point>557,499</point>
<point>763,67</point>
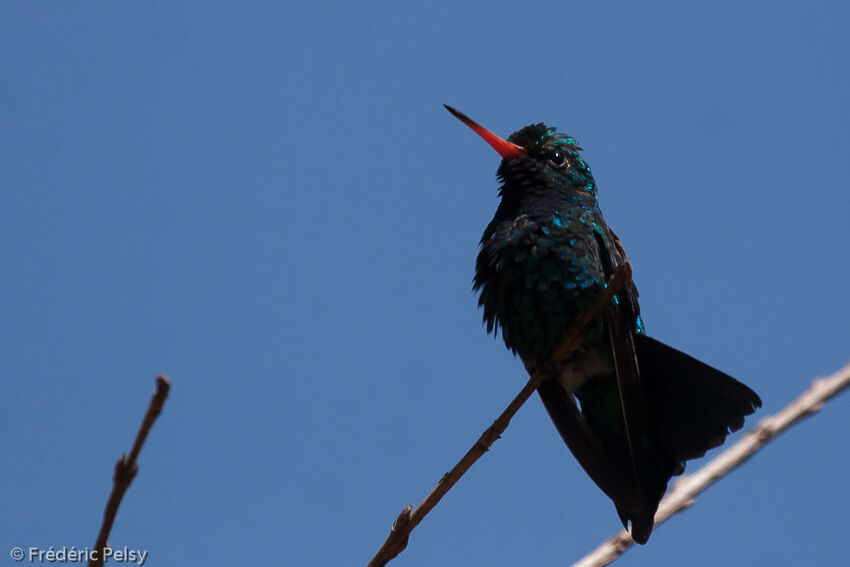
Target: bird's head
<point>537,156</point>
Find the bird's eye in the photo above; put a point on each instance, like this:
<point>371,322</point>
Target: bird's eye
<point>557,159</point>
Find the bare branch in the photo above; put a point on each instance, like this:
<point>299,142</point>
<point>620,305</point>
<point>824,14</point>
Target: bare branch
<point>126,469</point>
<point>686,489</point>
<point>407,520</point>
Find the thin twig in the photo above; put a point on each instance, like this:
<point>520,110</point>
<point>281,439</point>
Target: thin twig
<point>126,469</point>
<point>686,489</point>
<point>407,519</point>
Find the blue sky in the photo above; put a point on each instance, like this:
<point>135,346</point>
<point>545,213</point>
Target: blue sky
<point>269,204</point>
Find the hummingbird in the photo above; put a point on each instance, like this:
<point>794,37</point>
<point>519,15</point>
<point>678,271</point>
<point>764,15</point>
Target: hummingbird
<point>630,408</point>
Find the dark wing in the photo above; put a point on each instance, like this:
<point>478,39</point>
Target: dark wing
<point>586,445</point>
<point>621,318</point>
<point>611,455</point>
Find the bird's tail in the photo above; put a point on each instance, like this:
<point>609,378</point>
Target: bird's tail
<point>686,408</point>
<point>691,408</point>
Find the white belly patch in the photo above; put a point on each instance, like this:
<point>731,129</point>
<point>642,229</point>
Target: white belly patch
<point>584,364</point>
